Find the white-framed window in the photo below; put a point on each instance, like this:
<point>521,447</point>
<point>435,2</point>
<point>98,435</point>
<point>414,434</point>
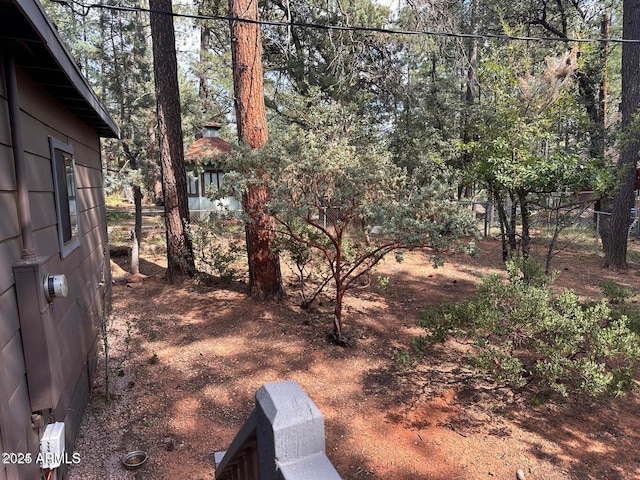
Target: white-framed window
<point>211,181</point>
<point>64,187</point>
<point>192,184</point>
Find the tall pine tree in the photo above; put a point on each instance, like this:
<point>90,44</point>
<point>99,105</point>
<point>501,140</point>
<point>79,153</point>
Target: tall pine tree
<point>616,250</point>
<point>265,280</point>
<point>180,261</point>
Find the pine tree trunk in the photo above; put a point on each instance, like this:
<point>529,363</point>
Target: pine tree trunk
<point>513,223</point>
<point>502,217</point>
<point>265,279</point>
<point>526,222</point>
<point>180,260</point>
<point>205,41</point>
<point>616,251</point>
<point>465,190</point>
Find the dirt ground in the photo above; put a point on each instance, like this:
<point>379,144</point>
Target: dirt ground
<point>187,360</point>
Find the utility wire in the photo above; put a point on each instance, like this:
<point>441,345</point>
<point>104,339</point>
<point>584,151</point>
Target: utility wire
<point>345,28</point>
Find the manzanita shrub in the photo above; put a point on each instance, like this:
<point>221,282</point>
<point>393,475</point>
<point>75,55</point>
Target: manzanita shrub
<point>525,333</point>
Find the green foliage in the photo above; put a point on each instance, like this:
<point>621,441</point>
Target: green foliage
<point>528,271</point>
<point>305,262</point>
<point>525,334</point>
<point>618,297</point>
<point>215,248</point>
<point>383,283</point>
<point>326,192</point>
<point>345,66</point>
<point>404,358</point>
<point>615,293</point>
<point>532,137</point>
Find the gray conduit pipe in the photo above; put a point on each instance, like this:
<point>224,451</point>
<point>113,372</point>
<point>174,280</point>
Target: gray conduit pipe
<point>24,210</point>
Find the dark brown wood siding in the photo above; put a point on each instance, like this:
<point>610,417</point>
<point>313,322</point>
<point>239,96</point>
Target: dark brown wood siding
<point>76,318</point>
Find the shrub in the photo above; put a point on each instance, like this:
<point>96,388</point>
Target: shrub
<point>616,294</point>
<point>523,333</point>
<point>215,248</point>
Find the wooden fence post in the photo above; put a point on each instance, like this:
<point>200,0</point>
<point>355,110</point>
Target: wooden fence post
<point>288,429</point>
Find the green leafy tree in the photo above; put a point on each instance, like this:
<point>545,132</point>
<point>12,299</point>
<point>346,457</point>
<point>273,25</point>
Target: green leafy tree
<point>326,194</point>
<point>79,27</point>
<point>433,69</point>
<point>530,133</point>
<point>125,80</point>
<point>357,69</point>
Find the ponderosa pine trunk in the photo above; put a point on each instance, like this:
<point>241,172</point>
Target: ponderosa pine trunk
<point>465,190</point>
<point>180,261</point>
<point>616,251</point>
<point>265,280</point>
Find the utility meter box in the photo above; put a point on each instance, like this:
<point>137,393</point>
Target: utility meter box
<point>40,336</point>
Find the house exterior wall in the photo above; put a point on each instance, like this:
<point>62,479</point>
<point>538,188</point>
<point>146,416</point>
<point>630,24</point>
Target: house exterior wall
<point>199,204</point>
<point>202,205</point>
<point>74,320</point>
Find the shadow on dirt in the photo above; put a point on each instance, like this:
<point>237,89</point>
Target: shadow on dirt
<point>199,351</point>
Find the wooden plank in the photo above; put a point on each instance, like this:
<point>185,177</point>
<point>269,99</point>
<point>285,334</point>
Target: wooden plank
<point>7,173</point>
<point>89,198</point>
<point>6,435</point>
<point>5,129</point>
<point>13,368</point>
<point>20,419</point>
<point>43,210</point>
<point>91,270</point>
<point>94,218</point>
<point>74,410</point>
<point>93,240</point>
<point>39,173</point>
<point>3,91</point>
<point>10,251</point>
<point>88,176</point>
<point>37,142</point>
<point>9,323</point>
<point>87,156</point>
<point>70,360</point>
<point>28,443</point>
<point>9,224</point>
<point>46,240</point>
<point>37,103</point>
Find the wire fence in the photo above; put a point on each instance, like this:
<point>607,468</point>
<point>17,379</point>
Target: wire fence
<point>574,225</point>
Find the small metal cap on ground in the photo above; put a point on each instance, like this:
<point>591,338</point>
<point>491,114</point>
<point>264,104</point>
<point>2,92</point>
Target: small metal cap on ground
<point>520,474</point>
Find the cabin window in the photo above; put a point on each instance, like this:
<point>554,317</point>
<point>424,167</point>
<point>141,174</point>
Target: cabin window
<point>64,186</point>
<point>192,185</point>
<point>212,180</point>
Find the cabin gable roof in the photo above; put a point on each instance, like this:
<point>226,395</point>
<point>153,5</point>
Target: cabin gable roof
<point>38,49</point>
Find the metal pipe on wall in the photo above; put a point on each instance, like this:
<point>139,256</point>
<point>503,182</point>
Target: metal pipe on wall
<point>24,210</point>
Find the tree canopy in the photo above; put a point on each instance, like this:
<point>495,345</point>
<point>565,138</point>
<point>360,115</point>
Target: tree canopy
<point>511,100</point>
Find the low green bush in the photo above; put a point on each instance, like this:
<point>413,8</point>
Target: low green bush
<point>215,246</point>
<point>524,333</point>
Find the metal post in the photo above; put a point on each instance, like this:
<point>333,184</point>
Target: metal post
<point>24,211</point>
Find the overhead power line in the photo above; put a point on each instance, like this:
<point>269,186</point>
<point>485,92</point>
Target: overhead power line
<point>347,28</point>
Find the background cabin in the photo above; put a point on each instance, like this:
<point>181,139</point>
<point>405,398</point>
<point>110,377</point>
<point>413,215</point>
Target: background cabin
<point>205,174</point>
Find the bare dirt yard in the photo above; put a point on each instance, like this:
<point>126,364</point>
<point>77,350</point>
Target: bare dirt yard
<point>186,361</point>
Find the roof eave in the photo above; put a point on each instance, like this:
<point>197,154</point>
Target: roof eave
<point>104,124</point>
